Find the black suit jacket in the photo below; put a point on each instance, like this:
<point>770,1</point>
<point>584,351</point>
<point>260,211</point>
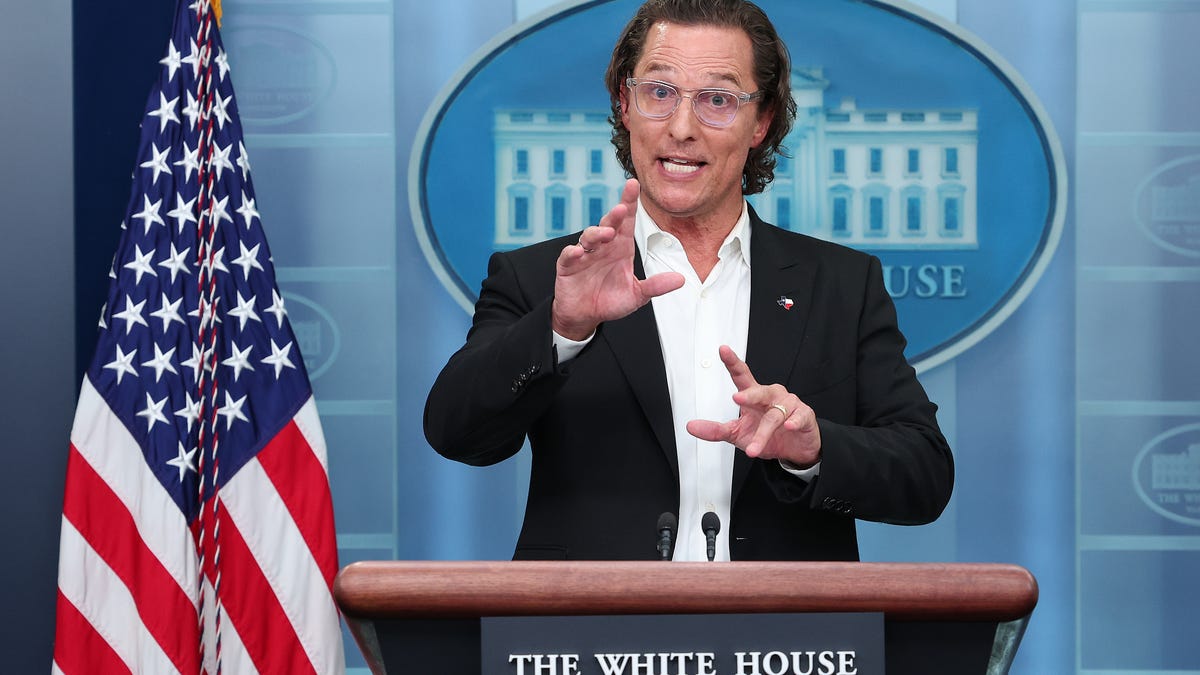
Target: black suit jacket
<point>604,461</point>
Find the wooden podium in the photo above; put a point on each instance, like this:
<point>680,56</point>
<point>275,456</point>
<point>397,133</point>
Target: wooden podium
<point>424,617</point>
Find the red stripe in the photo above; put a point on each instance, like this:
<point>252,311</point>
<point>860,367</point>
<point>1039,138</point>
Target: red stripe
<point>250,604</point>
<point>109,528</point>
<point>298,476</point>
<point>78,648</point>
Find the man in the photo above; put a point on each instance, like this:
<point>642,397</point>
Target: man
<point>615,351</point>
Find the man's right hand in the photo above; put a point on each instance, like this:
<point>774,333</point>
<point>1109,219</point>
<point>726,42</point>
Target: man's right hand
<point>595,281</point>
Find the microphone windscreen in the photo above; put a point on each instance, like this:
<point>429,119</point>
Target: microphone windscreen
<point>667,521</point>
<point>710,521</point>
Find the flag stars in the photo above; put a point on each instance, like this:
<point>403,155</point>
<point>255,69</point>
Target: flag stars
<point>222,62</point>
<point>248,259</point>
<point>243,160</point>
<point>219,211</point>
<point>194,58</point>
<point>239,361</point>
<point>190,162</point>
<point>279,358</point>
<point>122,364</point>
<point>184,461</point>
<point>215,262</point>
<point>165,113</point>
<point>220,108</point>
<point>232,410</point>
<point>247,210</point>
<point>158,161</point>
<point>190,412</point>
<point>140,263</point>
<point>191,111</point>
<point>149,213</point>
<point>176,262</point>
<point>244,311</point>
<point>194,363</point>
<point>220,158</point>
<point>171,60</point>
<point>168,312</point>
<point>131,314</point>
<point>277,307</point>
<point>153,412</point>
<point>161,362</point>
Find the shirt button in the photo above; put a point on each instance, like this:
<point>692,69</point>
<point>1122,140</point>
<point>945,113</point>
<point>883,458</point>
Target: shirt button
<point>704,293</point>
<point>705,363</point>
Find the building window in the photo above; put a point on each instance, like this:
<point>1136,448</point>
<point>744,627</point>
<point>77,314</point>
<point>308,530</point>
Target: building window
<point>783,213</point>
<point>951,216</point>
<point>875,205</point>
<point>875,162</point>
<point>521,117</point>
<point>558,118</point>
<point>596,162</point>
<point>950,117</point>
<point>950,162</point>
<point>558,215</point>
<point>520,221</point>
<point>521,164</point>
<point>593,201</point>
<point>558,162</point>
<point>838,165</point>
<point>912,117</point>
<point>951,198</point>
<point>876,117</point>
<point>913,167</point>
<point>839,210</point>
<point>595,207</point>
<point>875,215</point>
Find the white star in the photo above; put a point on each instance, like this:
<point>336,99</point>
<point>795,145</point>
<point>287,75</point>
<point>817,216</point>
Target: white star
<point>219,210</point>
<point>194,364</point>
<point>153,411</point>
<point>140,263</point>
<point>131,314</point>
<point>243,160</point>
<point>277,307</point>
<point>176,262</point>
<point>104,311</point>
<point>201,312</point>
<point>149,213</point>
<point>190,411</point>
<point>279,358</point>
<point>239,361</point>
<point>194,58</point>
<point>159,162</point>
<point>248,259</point>
<point>222,61</point>
<point>217,263</point>
<point>123,364</point>
<point>220,158</point>
<point>171,60</point>
<point>161,362</point>
<point>165,113</point>
<point>190,161</point>
<point>244,311</point>
<point>184,460</point>
<point>219,107</point>
<point>184,212</point>
<point>247,210</point>
<point>232,410</point>
<point>112,267</point>
<point>192,110</point>
<point>168,312</point>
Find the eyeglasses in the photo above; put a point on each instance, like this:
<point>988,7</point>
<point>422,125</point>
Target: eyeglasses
<point>714,107</point>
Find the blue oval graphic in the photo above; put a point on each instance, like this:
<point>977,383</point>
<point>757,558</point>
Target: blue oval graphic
<point>282,75</point>
<point>915,142</point>
<point>1166,474</point>
<point>1165,204</point>
<point>316,332</point>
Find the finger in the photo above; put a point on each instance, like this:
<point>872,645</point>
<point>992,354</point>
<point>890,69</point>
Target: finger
<point>661,284</point>
<point>738,370</point>
<point>768,424</point>
<point>594,237</point>
<point>707,430</point>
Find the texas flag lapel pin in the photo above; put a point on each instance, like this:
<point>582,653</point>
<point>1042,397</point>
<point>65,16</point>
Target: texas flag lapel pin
<point>785,302</point>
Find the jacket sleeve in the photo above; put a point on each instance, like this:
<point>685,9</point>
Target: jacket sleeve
<point>493,389</point>
<point>887,460</point>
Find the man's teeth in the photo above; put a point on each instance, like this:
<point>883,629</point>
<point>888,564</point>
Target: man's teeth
<point>679,166</point>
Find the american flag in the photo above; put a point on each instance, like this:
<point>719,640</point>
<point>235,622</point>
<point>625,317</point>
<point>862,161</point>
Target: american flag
<point>197,530</point>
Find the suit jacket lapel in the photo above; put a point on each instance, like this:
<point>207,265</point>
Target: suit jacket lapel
<point>634,343</point>
<point>778,274</point>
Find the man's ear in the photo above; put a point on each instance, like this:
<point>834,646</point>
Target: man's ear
<point>761,126</point>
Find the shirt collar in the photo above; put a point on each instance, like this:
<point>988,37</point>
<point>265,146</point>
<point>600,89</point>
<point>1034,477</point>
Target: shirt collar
<point>646,232</point>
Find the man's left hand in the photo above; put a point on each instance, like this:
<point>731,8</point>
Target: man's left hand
<point>773,423</point>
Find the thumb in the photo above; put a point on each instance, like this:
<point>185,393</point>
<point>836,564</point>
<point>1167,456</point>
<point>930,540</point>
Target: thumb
<point>707,430</point>
<point>661,284</point>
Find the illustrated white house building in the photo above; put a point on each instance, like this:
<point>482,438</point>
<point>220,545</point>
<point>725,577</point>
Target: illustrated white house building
<point>865,178</point>
<point>1176,472</point>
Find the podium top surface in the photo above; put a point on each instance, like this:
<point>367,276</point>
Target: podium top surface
<point>902,591</point>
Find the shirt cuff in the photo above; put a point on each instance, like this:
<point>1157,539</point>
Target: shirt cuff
<point>566,348</point>
<point>803,474</point>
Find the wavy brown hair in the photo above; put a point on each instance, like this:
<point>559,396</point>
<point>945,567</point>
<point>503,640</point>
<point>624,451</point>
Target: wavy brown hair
<point>772,73</point>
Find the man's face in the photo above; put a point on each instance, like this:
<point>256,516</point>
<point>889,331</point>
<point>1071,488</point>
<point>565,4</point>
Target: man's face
<point>687,169</point>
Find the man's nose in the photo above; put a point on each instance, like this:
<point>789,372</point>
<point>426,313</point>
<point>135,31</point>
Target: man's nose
<point>683,122</point>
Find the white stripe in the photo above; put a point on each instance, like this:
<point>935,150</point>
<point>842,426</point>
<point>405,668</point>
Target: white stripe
<point>107,445</point>
<point>54,669</point>
<point>309,423</point>
<point>88,583</point>
<point>234,658</point>
<point>251,501</point>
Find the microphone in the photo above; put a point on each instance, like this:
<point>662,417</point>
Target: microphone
<point>666,534</point>
<point>711,525</point>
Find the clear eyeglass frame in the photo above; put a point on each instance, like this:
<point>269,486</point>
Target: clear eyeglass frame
<point>702,106</point>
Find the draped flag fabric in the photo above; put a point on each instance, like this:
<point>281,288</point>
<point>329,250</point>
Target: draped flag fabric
<point>197,528</point>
